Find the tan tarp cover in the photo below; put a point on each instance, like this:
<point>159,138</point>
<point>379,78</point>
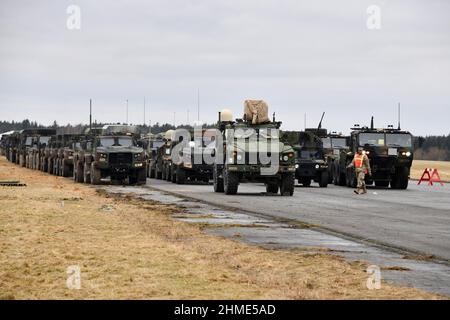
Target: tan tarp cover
<point>256,111</point>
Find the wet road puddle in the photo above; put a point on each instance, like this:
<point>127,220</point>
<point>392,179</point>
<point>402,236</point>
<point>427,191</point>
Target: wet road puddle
<point>251,229</point>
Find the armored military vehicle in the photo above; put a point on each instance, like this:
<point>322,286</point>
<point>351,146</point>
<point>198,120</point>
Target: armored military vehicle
<point>113,155</point>
<point>30,141</point>
<point>60,156</point>
<point>333,145</point>
<point>249,149</point>
<point>190,163</point>
<point>155,141</point>
<point>8,144</point>
<point>390,152</point>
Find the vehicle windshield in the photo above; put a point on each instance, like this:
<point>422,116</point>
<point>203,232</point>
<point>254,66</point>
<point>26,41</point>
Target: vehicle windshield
<point>244,133</point>
<point>310,154</point>
<point>29,141</point>
<point>372,139</point>
<point>157,144</point>
<point>339,142</point>
<point>326,143</point>
<point>116,142</point>
<point>44,140</point>
<point>398,140</point>
<point>269,133</point>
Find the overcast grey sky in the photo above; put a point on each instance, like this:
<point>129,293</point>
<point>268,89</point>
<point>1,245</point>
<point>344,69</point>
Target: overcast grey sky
<point>299,56</point>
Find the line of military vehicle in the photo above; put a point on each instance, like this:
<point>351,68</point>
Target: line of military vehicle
<point>119,154</point>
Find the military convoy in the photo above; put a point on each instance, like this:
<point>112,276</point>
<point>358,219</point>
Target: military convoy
<point>247,149</point>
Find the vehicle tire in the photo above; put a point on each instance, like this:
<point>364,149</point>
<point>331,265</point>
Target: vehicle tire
<point>158,174</point>
<point>218,182</point>
<point>169,173</point>
<point>382,184</point>
<point>230,182</point>
<point>65,169</point>
<point>79,177</point>
<point>287,185</point>
<point>323,182</point>
<point>50,166</point>
<point>306,182</point>
<point>86,173</point>
<point>180,175</point>
<point>96,175</point>
<point>272,187</point>
<point>401,179</point>
<point>22,161</point>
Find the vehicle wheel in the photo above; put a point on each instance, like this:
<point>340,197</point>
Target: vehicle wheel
<point>80,173</point>
<point>287,185</point>
<point>230,182</point>
<point>335,175</point>
<point>86,173</point>
<point>96,175</point>
<point>323,183</point>
<point>401,179</point>
<point>218,182</point>
<point>383,184</point>
<point>272,187</point>
<point>180,176</point>
<point>306,182</point>
<point>64,168</point>
<point>169,173</point>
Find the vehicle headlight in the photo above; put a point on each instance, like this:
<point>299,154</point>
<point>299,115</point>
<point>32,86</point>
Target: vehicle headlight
<point>408,154</point>
<point>317,166</point>
<point>231,160</point>
<point>285,158</point>
<point>239,157</point>
<point>297,166</point>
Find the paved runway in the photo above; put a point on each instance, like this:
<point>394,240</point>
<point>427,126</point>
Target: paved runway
<point>417,219</point>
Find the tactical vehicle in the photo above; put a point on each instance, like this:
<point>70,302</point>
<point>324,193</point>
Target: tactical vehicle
<point>163,160</point>
<point>113,155</point>
<point>390,152</point>
<point>30,141</point>
<point>60,154</point>
<point>250,150</point>
<point>9,143</point>
<point>155,141</point>
<point>333,145</point>
<point>310,160</point>
<point>190,163</point>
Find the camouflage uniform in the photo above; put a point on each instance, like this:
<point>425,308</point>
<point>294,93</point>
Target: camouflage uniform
<point>361,172</point>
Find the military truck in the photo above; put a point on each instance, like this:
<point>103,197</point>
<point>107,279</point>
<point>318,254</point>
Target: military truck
<point>60,155</point>
<point>30,141</point>
<point>113,155</point>
<point>190,163</point>
<point>249,149</point>
<point>310,161</point>
<point>389,150</point>
<point>333,145</point>
<point>155,141</point>
<point>8,145</point>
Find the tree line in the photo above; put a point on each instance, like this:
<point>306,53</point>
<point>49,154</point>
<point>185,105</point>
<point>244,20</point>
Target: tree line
<point>426,148</point>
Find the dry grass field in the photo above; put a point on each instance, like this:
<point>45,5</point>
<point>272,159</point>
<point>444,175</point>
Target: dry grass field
<point>129,249</point>
<point>420,165</point>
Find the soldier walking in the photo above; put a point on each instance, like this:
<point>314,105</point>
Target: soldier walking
<point>362,167</point>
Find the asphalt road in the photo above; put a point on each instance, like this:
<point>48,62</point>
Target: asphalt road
<point>417,219</point>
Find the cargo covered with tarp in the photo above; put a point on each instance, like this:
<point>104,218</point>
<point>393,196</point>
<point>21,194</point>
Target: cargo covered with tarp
<point>256,111</point>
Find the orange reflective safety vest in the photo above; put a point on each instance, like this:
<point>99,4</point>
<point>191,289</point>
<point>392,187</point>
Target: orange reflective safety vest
<point>359,162</point>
